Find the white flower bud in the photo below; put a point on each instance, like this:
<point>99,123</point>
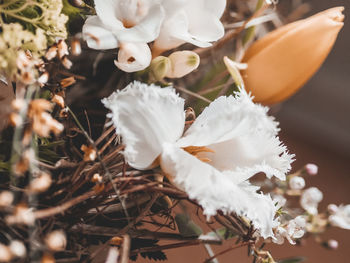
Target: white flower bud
<point>296,183</point>
<point>311,169</point>
<point>182,63</point>
<point>18,249</point>
<point>310,198</point>
<point>133,57</point>
<point>6,198</point>
<point>332,244</point>
<point>56,240</point>
<point>332,208</point>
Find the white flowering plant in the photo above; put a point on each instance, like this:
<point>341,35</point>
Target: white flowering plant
<point>129,127</point>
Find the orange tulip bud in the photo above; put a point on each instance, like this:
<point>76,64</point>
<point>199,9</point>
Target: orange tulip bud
<point>281,62</point>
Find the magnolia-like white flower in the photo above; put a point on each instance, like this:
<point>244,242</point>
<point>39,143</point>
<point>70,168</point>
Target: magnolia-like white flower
<point>341,217</point>
<point>127,24</point>
<point>296,183</point>
<point>118,21</point>
<point>293,230</point>
<point>195,21</point>
<point>232,140</point>
<point>310,198</point>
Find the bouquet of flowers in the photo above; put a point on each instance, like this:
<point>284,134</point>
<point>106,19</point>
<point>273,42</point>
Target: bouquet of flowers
<point>130,127</point>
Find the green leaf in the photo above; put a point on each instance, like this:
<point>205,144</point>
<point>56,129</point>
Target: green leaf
<point>292,260</point>
<point>186,226</point>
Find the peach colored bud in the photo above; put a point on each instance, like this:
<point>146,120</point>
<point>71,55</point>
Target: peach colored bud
<point>281,62</point>
<point>62,48</point>
<point>58,100</point>
<point>5,253</point>
<point>67,63</point>
<point>51,53</point>
<point>76,47</point>
<point>89,153</point>
<point>6,198</point>
<point>40,183</point>
<point>56,240</point>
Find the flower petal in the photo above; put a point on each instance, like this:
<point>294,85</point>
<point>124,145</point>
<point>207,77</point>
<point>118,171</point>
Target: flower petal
<point>133,57</point>
<point>215,191</point>
<point>146,117</point>
<point>242,136</point>
<point>97,35</point>
<point>174,32</point>
<point>146,30</point>
<point>107,11</point>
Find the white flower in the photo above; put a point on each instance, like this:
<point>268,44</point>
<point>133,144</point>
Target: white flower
<point>293,230</point>
<point>127,24</point>
<point>310,198</point>
<point>195,21</point>
<point>136,21</point>
<point>232,140</point>
<point>296,183</point>
<point>341,217</point>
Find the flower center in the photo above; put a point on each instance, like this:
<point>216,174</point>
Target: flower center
<point>197,150</point>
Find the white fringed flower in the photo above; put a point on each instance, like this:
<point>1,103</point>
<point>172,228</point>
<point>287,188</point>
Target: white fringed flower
<point>195,21</point>
<point>341,217</point>
<point>232,140</point>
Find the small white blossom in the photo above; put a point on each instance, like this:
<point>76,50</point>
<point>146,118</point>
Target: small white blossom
<point>296,183</point>
<point>310,198</point>
<point>341,217</point>
<point>56,240</point>
<point>232,140</point>
<point>293,230</point>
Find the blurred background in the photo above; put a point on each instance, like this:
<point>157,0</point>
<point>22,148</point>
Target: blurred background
<point>315,125</point>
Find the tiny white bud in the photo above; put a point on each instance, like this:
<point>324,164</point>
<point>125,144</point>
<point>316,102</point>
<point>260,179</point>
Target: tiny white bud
<point>41,183</point>
<point>311,169</point>
<point>62,48</point>
<point>18,249</point>
<point>332,244</point>
<point>56,240</point>
<point>6,198</point>
<point>332,208</point>
<point>297,183</point>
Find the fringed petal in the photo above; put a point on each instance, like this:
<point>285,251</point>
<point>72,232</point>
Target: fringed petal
<point>215,191</point>
<point>146,117</point>
<point>242,136</point>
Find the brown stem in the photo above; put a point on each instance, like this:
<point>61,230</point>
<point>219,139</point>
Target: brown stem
<point>226,250</point>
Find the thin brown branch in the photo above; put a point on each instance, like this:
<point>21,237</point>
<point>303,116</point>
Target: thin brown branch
<point>226,250</point>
